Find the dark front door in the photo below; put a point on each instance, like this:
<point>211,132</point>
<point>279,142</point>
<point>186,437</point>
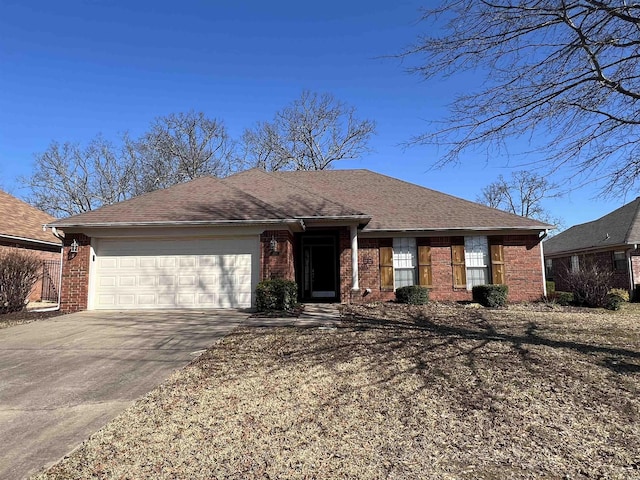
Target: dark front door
<point>319,268</point>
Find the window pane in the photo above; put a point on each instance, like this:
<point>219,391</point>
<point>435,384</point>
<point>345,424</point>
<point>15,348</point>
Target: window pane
<point>404,261</point>
<point>476,259</point>
<point>477,276</point>
<point>405,277</point>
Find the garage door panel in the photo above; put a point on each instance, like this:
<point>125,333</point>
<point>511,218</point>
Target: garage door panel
<point>192,273</point>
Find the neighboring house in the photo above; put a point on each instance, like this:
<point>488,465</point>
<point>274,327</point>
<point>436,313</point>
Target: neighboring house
<point>342,235</point>
<point>21,231</point>
<point>611,241</point>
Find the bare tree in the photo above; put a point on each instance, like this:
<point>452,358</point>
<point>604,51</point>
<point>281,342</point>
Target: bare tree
<point>69,179</point>
<point>181,147</point>
<point>522,195</point>
<point>564,74</point>
<point>311,133</point>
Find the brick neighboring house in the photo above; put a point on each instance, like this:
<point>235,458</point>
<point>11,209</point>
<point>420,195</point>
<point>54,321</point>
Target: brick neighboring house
<point>611,241</point>
<point>21,230</point>
<point>342,235</point>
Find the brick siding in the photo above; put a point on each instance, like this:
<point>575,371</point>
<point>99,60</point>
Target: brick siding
<point>523,269</point>
<point>75,274</point>
<point>282,263</point>
<point>604,259</point>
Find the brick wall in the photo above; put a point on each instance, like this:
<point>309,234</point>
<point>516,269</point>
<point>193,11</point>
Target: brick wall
<point>282,263</point>
<point>75,274</point>
<point>36,291</point>
<point>523,269</point>
<point>604,260</point>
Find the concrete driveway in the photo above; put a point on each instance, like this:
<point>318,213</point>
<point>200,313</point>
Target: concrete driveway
<point>63,378</point>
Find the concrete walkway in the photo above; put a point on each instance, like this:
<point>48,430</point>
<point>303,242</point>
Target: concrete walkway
<point>63,378</point>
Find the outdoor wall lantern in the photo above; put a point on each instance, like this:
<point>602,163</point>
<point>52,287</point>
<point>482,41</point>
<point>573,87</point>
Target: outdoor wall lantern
<point>273,245</point>
<point>74,246</point>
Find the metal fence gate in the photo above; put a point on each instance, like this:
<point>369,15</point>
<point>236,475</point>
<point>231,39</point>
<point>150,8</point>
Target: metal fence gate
<point>50,280</point>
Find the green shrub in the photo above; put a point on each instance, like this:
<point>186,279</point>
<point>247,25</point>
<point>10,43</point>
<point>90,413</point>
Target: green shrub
<point>490,295</point>
<point>412,295</point>
<point>551,287</point>
<point>19,272</point>
<point>277,294</point>
<point>563,298</point>
<point>621,293</point>
<point>613,302</point>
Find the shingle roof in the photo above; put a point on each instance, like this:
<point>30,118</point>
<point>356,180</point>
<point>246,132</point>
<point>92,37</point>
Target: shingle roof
<point>20,220</point>
<point>398,205</point>
<point>390,204</point>
<point>620,227</point>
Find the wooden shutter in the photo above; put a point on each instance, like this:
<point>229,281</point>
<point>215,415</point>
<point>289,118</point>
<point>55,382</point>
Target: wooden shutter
<point>459,270</point>
<point>386,268</point>
<point>424,266</point>
<point>497,264</point>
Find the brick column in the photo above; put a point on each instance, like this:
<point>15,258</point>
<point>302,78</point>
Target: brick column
<point>75,274</point>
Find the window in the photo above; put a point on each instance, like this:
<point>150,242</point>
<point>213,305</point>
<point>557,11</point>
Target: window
<point>575,264</point>
<point>548,267</point>
<point>404,262</point>
<point>620,261</point>
<point>476,259</point>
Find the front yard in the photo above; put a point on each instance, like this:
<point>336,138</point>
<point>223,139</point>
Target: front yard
<point>437,392</point>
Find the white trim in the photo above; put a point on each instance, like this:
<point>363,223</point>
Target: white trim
<point>353,231</point>
<point>31,240</point>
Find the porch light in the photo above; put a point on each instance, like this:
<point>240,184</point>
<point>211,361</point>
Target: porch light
<point>273,245</point>
<point>74,246</point>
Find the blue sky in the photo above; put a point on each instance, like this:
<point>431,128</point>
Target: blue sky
<point>72,69</point>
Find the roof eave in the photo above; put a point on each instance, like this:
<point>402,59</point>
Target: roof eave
<point>180,223</point>
<point>30,240</point>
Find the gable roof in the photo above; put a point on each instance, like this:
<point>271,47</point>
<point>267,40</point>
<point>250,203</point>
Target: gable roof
<point>618,228</point>
<point>21,221</point>
<point>375,201</point>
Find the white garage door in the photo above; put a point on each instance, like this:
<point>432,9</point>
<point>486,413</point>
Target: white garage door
<point>176,273</point>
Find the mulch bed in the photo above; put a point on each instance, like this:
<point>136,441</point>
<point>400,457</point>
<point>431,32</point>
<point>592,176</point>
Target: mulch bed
<point>444,391</point>
<point>25,316</point>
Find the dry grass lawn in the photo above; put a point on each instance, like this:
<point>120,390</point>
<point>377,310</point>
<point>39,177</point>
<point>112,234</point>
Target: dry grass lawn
<point>438,392</point>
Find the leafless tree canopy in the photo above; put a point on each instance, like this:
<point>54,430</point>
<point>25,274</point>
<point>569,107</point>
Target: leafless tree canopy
<point>563,73</point>
<point>309,134</point>
<point>182,147</point>
<point>522,195</point>
<point>70,179</point>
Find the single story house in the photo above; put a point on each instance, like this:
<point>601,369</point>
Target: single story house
<point>21,231</point>
<point>611,241</point>
<point>342,235</point>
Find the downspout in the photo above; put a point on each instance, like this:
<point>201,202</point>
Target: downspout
<point>57,307</point>
<point>632,284</point>
<point>544,273</point>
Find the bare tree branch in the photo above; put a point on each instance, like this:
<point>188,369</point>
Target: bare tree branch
<point>564,74</point>
<point>522,195</point>
<point>311,133</point>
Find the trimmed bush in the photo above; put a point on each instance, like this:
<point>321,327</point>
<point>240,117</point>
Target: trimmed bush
<point>563,298</point>
<point>277,294</point>
<point>490,295</point>
<point>19,272</point>
<point>621,293</point>
<point>551,287</point>
<point>412,295</point>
